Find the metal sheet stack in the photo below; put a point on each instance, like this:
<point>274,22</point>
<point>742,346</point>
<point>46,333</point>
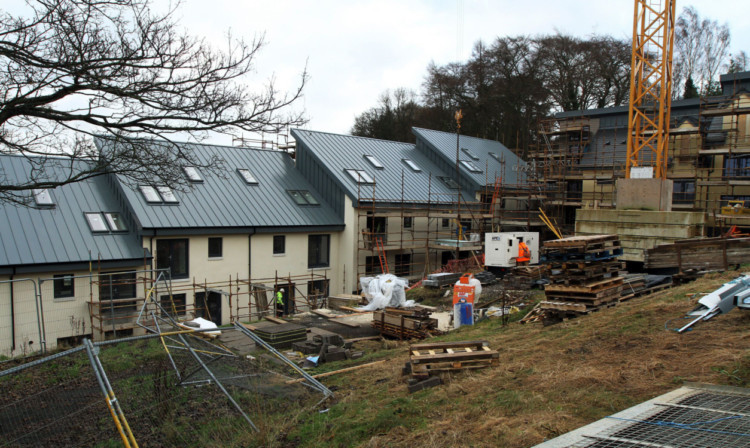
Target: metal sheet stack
<point>584,275</point>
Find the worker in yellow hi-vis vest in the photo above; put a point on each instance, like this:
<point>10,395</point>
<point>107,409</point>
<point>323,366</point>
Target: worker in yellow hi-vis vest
<point>280,302</point>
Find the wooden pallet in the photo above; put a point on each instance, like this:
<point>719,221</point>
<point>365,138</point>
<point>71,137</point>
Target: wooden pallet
<point>451,356</point>
<point>595,298</point>
<point>575,307</point>
<point>589,288</point>
<point>581,280</point>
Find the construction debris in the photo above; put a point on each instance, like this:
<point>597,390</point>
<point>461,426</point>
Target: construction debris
<point>720,301</point>
<point>526,277</point>
<point>584,275</point>
<point>282,335</point>
<point>427,359</point>
<point>413,323</point>
<point>699,254</point>
<point>441,279</point>
<point>383,291</point>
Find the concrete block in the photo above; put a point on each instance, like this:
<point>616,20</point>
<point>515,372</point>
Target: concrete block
<point>335,356</point>
<point>644,194</point>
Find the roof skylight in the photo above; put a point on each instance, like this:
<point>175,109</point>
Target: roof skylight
<point>412,165</point>
<point>496,157</point>
<point>115,221</point>
<point>360,177</point>
<point>469,153</point>
<point>374,162</point>
<point>96,222</point>
<point>247,176</point>
<point>303,197</point>
<point>167,195</point>
<point>42,197</point>
<point>449,182</point>
<point>193,174</point>
<point>470,166</point>
<point>150,193</point>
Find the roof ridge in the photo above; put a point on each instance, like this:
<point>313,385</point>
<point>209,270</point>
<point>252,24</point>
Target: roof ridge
<point>354,136</point>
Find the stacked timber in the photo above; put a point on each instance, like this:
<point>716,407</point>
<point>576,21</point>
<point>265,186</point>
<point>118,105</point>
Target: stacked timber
<point>525,277</point>
<point>700,254</point>
<point>414,323</point>
<point>584,275</point>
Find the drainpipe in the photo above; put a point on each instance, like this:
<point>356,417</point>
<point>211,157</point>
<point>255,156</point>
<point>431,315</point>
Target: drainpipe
<point>12,313</point>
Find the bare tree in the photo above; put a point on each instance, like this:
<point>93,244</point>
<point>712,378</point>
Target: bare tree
<point>700,51</point>
<point>74,69</point>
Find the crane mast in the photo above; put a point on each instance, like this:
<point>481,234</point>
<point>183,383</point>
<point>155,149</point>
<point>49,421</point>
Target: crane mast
<point>650,88</point>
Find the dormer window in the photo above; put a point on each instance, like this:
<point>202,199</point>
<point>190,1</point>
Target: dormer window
<point>374,162</point>
<point>469,153</point>
<point>360,177</point>
<point>412,165</point>
<point>470,166</point>
<point>193,174</point>
<point>247,176</point>
<point>42,197</point>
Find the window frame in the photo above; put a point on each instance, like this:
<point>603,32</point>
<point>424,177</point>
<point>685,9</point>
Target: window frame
<point>109,218</point>
<point>411,222</point>
<point>469,165</point>
<point>167,195</point>
<point>449,182</point>
<point>89,215</point>
<point>192,174</point>
<point>150,194</point>
<point>374,162</point>
<point>303,197</point>
<point>274,246</point>
<point>321,260</point>
<point>170,259</point>
<point>360,176</point>
<point>214,256</point>
<point>469,153</point>
<point>43,197</point>
<point>247,176</point>
<point>58,284</point>
<point>413,166</point>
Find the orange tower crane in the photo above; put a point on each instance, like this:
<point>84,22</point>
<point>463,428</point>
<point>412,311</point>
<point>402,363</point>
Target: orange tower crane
<point>650,86</point>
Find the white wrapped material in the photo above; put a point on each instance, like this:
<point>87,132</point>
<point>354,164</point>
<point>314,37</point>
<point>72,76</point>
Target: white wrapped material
<point>203,324</point>
<point>383,291</point>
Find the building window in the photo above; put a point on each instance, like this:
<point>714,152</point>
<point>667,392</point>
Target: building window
<point>173,255</point>
<point>115,221</point>
<point>96,222</point>
<point>446,222</point>
<point>372,266</point>
<point>174,305</point>
<point>193,174</point>
<point>318,251</point>
<point>247,176</point>
<point>737,167</point>
<point>377,227</point>
<point>303,197</point>
<point>374,162</point>
<point>42,197</point>
<point>317,291</point>
<point>470,166</point>
<point>413,166</point>
<point>279,244</point>
<point>215,247</point>
<point>683,192</point>
<point>360,177</point>
<point>64,286</point>
<point>117,288</point>
<point>407,222</point>
<point>158,195</point>
<point>469,153</point>
<point>403,265</point>
<point>449,182</point>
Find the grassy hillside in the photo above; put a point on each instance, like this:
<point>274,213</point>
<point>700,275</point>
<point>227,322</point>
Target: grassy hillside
<point>550,379</point>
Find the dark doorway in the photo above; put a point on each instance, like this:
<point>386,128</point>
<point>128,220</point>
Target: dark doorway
<point>208,307</point>
<point>288,296</point>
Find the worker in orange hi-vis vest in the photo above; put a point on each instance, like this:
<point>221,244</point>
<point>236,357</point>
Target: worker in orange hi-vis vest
<point>524,254</point>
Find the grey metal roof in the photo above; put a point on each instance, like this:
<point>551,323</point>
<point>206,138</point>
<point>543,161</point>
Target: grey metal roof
<point>337,153</point>
<point>227,201</point>
<point>676,104</point>
<point>444,143</point>
<point>60,234</point>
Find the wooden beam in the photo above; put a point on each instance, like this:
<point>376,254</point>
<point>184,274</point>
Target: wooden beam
<point>348,369</point>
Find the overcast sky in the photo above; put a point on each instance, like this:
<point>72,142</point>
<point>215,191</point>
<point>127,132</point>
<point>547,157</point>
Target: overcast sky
<point>355,50</point>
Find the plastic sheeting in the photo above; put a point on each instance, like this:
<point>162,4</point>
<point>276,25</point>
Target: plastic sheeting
<point>383,291</point>
<point>202,324</point>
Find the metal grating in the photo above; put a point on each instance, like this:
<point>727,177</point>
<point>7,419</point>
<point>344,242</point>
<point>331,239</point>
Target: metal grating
<point>691,417</point>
